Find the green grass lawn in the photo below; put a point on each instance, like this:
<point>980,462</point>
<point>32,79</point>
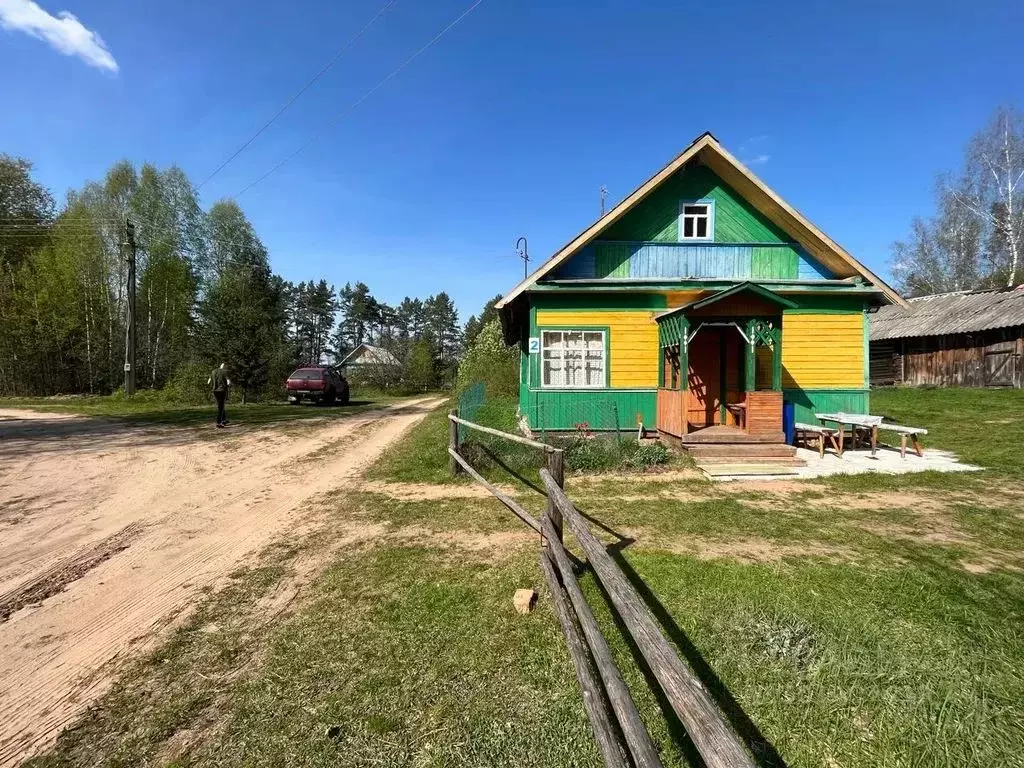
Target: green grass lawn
<point>982,426</point>
<point>150,408</point>
<point>838,623</point>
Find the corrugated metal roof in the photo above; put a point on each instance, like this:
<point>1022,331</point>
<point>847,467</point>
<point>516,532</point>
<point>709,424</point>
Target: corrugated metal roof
<point>960,312</point>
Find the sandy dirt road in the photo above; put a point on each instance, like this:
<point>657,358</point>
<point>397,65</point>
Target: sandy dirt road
<point>108,533</point>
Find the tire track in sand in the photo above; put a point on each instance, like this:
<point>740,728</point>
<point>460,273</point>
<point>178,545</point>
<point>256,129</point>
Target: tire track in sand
<point>199,527</point>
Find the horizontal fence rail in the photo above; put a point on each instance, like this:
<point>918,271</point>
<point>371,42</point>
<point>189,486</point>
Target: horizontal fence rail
<point>622,738</point>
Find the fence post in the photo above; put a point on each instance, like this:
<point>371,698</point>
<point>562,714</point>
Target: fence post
<point>453,443</point>
<point>556,467</point>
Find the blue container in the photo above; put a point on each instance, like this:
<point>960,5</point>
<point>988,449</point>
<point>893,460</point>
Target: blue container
<point>789,422</point>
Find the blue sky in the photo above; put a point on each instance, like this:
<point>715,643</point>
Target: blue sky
<point>512,122</point>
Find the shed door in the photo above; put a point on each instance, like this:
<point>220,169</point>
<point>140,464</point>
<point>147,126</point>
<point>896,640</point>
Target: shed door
<point>1000,364</point>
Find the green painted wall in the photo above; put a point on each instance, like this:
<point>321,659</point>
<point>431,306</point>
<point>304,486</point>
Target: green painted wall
<point>601,409</point>
<point>657,217</point>
<point>807,402</point>
<point>773,263</point>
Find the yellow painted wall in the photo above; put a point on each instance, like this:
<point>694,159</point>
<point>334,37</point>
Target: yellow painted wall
<point>678,298</point>
<point>825,350</point>
<point>633,346</point>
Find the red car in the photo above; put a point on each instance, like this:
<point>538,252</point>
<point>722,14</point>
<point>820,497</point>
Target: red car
<point>319,384</point>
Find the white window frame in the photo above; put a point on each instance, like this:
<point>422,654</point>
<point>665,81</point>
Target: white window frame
<point>709,206</point>
<point>544,349</point>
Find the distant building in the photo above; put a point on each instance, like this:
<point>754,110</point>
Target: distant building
<point>367,360</point>
<point>962,339</point>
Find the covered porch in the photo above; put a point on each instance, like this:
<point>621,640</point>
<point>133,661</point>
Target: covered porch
<point>720,370</point>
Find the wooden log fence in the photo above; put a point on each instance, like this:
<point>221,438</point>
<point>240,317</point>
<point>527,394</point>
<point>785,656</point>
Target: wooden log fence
<point>621,736</point>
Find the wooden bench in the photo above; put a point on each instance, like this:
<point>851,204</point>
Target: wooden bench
<point>804,431</point>
<point>904,433</point>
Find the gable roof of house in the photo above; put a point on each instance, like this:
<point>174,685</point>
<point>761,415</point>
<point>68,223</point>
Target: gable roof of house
<point>942,313</point>
<point>370,355</point>
<point>707,148</point>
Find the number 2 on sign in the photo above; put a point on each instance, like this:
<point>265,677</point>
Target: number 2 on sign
<point>534,345</point>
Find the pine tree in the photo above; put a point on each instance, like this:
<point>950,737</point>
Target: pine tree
<point>242,315</point>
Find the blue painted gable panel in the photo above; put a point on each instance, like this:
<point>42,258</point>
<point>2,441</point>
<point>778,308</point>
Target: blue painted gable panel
<point>580,266</point>
<point>676,260</point>
<point>809,268</point>
<point>672,261</point>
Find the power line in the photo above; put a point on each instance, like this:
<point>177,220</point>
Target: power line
<point>344,49</point>
<point>380,84</point>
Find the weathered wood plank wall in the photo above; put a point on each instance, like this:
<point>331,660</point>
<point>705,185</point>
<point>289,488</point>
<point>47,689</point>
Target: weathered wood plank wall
<point>990,359</point>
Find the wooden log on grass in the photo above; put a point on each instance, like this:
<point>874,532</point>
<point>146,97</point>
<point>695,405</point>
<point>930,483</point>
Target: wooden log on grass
<point>644,753</point>
<point>712,734</point>
<point>556,466</point>
<point>606,731</point>
<point>513,507</point>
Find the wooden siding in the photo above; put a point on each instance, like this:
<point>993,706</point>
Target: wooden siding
<point>764,413</point>
<point>986,359</point>
<point>822,350</point>
<point>773,262</point>
<point>808,268</point>
<point>657,217</point>
<point>646,260</point>
<point>600,409</point>
<point>633,342</point>
<point>670,411</point>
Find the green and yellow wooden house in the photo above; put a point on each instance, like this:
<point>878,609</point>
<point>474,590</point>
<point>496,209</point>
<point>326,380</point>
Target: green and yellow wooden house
<point>702,300</point>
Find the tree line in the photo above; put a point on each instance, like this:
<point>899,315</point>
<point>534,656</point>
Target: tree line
<point>205,294</point>
<point>975,238</point>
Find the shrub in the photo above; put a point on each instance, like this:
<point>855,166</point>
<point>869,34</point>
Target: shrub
<point>589,454</point>
<point>187,385</point>
<point>489,360</point>
<point>649,455</point>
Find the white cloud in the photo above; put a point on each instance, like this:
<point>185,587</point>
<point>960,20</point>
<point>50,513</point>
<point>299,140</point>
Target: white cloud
<point>63,31</point>
<point>759,159</point>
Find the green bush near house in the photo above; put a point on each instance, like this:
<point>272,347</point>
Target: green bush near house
<point>489,360</point>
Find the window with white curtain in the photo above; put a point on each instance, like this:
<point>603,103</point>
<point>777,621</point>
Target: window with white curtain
<point>573,359</point>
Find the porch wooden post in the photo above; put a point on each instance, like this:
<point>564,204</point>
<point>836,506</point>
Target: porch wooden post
<point>777,359</point>
<point>684,375</point>
<point>750,368</point>
<point>684,354</point>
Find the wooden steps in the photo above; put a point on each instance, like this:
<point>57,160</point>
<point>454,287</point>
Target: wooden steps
<point>730,436</point>
<point>724,453</point>
<point>778,461</point>
<point>741,450</point>
<point>746,470</point>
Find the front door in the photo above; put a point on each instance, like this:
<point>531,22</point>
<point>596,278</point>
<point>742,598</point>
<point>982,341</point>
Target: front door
<point>715,377</point>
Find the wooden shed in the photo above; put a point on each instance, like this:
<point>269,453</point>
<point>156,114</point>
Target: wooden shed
<point>962,339</point>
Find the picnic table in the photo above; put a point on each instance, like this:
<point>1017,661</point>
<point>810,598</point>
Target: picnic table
<point>859,425</point>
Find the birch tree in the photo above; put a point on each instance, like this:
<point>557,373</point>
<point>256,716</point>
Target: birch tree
<point>995,164</point>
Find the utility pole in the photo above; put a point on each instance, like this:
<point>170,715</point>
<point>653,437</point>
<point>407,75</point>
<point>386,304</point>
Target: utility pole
<point>604,195</point>
<point>129,342</point>
<point>524,254</point>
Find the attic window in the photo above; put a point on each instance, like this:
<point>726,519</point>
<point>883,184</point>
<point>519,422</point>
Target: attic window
<point>697,220</point>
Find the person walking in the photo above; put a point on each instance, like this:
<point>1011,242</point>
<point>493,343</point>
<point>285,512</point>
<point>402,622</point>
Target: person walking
<point>220,382</point>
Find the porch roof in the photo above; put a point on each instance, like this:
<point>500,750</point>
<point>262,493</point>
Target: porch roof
<point>746,287</point>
